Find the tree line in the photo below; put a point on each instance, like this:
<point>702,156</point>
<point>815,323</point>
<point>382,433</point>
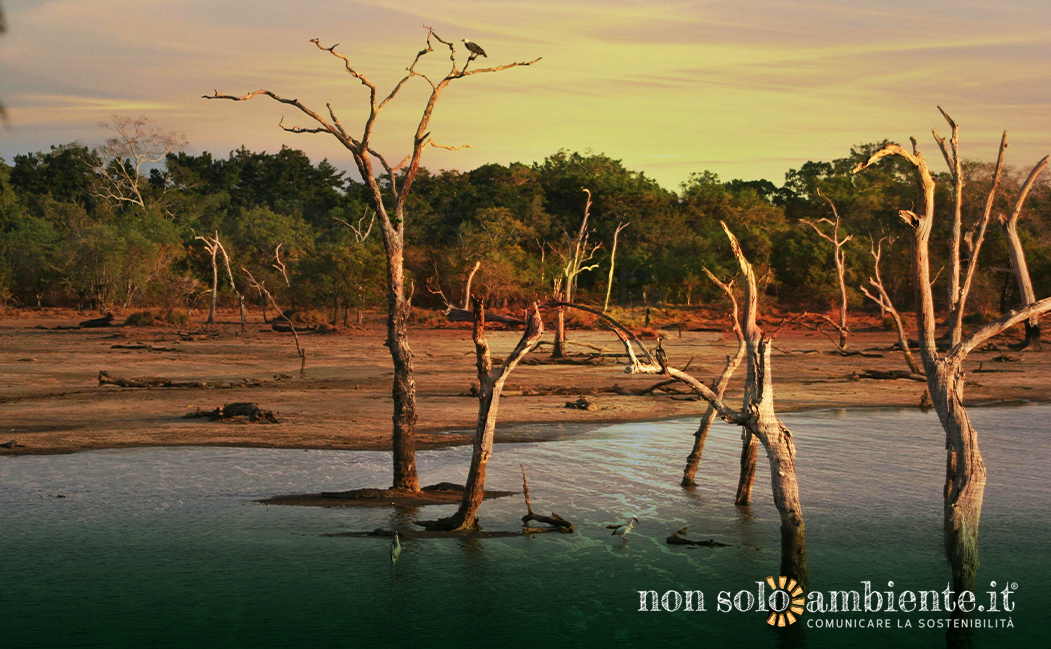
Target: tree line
<point>79,227</point>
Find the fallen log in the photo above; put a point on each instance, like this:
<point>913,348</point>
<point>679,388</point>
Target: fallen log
<point>890,375</point>
<point>93,323</point>
<point>105,378</point>
<point>556,522</point>
<point>679,538</point>
<point>247,409</point>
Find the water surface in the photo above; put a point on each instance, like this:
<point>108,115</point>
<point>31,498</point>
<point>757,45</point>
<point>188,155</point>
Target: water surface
<point>165,547</point>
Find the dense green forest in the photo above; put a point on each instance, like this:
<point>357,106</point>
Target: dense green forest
<point>82,230</point>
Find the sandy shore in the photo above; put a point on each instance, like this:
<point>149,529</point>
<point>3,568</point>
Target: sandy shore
<point>50,401</point>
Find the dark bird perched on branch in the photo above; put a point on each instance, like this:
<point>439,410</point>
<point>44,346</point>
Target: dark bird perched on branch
<point>474,48</point>
<point>661,356</point>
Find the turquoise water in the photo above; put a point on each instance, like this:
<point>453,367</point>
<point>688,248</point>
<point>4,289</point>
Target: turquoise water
<point>166,548</point>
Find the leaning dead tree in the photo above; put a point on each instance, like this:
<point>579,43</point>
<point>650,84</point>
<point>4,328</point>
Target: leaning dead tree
<point>886,305</point>
<point>266,295</point>
<point>577,253</point>
<point>965,470</point>
<point>490,384</point>
<point>832,236</point>
<point>693,460</point>
<point>1009,226</point>
<point>391,212</point>
<point>757,415</point>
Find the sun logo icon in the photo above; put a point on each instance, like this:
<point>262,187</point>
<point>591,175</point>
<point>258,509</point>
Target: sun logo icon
<point>785,601</point>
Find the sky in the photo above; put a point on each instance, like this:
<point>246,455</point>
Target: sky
<point>745,88</point>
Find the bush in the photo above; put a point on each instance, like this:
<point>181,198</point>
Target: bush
<point>140,319</point>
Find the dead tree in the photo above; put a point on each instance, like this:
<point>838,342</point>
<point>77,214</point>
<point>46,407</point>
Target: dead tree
<point>612,262</point>
<point>693,460</point>
<point>965,469</point>
<point>137,144</point>
<point>886,305</point>
<point>578,252</point>
<point>757,415</point>
<point>261,289</point>
<point>212,246</point>
<point>1009,226</point>
<point>490,384</point>
<point>400,177</point>
<point>837,257</point>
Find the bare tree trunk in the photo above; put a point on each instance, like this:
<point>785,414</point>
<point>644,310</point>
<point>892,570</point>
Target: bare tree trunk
<point>404,388</point>
<point>559,350</point>
<point>490,385</point>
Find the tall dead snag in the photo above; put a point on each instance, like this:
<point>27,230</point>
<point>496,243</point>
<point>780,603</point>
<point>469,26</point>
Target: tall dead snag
<point>886,305</point>
<point>757,416</point>
<point>612,262</point>
<point>265,294</point>
<point>1009,226</point>
<point>213,249</point>
<point>400,177</point>
<point>838,258</point>
<point>490,385</point>
<point>965,470</point>
<point>578,252</point>
<point>693,460</point>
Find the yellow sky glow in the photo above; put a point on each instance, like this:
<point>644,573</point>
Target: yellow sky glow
<point>748,88</point>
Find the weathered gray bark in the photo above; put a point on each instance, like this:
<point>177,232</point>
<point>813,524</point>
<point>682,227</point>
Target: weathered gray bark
<point>400,177</point>
<point>490,384</point>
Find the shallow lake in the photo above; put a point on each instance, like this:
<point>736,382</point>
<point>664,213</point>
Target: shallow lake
<point>165,547</point>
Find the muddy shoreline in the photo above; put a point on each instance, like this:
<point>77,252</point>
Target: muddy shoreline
<point>50,400</point>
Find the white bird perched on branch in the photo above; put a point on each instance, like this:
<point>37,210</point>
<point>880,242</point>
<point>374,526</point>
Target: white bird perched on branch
<point>623,530</point>
<point>474,48</point>
<point>395,550</point>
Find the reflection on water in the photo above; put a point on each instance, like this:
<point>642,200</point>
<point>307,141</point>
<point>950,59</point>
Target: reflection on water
<point>164,547</point>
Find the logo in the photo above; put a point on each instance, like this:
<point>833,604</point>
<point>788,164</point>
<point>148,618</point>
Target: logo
<point>785,601</point>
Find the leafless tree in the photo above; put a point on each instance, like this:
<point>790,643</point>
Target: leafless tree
<point>965,469</point>
<point>575,256</point>
<point>125,157</point>
<point>490,384</point>
<point>886,305</point>
<point>1009,226</point>
<point>361,232</point>
<point>757,416</point>
<point>838,258</point>
<point>400,177</point>
<point>612,262</point>
<point>212,246</point>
